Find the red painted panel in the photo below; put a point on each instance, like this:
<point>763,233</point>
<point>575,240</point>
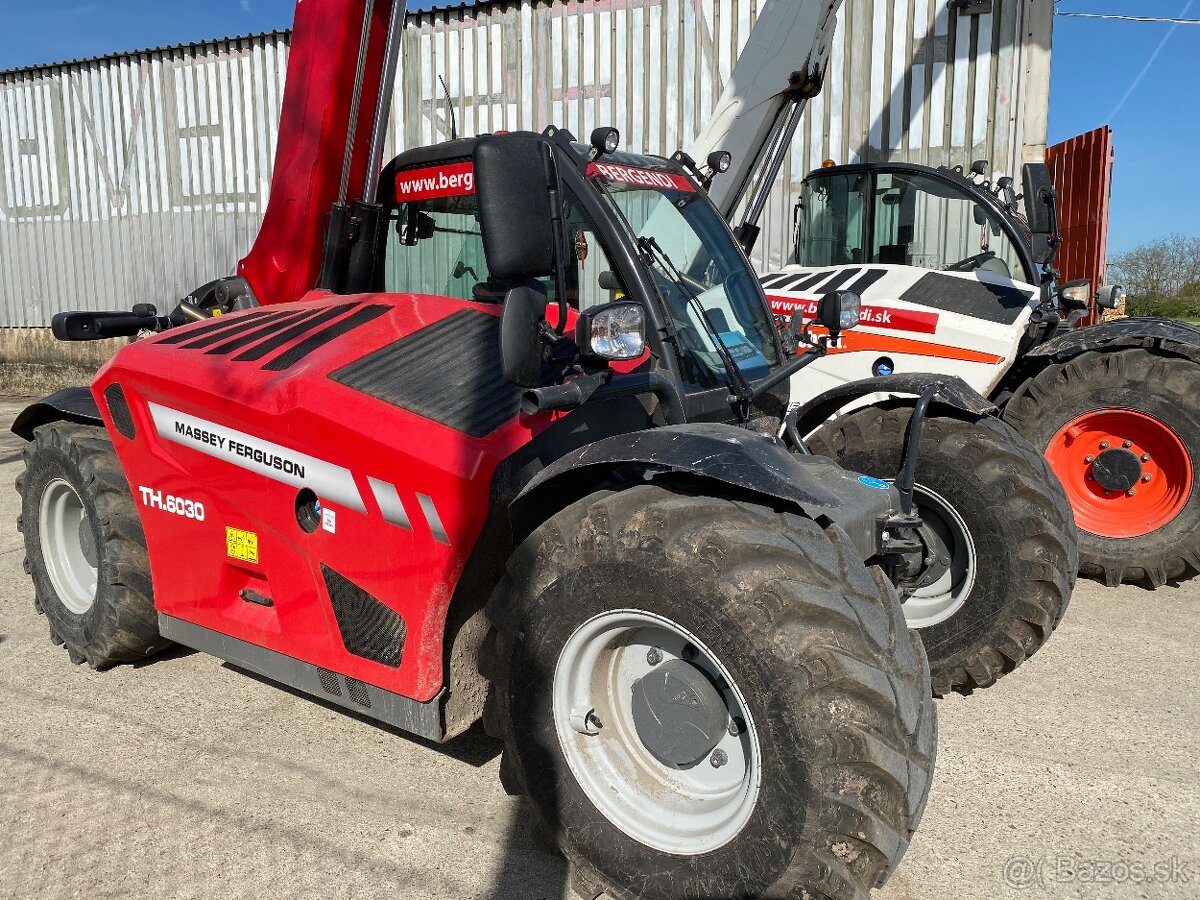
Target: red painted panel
<point>1082,169</point>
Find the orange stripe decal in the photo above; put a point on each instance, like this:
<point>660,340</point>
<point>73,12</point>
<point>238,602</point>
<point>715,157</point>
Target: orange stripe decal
<point>857,341</point>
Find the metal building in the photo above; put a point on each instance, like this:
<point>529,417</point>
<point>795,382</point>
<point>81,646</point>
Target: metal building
<point>138,176</point>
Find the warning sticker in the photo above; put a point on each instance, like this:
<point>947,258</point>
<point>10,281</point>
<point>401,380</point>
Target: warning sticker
<point>241,545</point>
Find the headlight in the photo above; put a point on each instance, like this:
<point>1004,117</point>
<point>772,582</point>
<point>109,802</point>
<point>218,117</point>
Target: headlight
<point>615,331</point>
<point>851,309</point>
<point>1076,293</point>
<point>1111,296</point>
<point>839,311</point>
<point>719,161</point>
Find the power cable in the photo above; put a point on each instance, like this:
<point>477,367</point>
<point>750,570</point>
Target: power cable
<point>1119,18</point>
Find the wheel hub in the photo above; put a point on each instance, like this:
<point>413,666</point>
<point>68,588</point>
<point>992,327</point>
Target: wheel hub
<point>679,715</point>
<point>1117,470</point>
<point>1126,473</point>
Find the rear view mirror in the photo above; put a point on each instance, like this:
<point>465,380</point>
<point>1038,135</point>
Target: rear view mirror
<point>521,336</point>
<point>1040,197</point>
<point>516,183</point>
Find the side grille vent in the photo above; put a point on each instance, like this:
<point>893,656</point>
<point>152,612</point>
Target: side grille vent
<point>358,692</point>
<point>331,682</point>
<point>369,628</point>
<point>118,408</point>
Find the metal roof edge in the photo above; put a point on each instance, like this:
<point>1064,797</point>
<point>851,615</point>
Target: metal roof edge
<point>133,54</point>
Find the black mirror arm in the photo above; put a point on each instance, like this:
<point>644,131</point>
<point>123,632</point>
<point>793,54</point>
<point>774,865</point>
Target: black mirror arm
<point>807,358</point>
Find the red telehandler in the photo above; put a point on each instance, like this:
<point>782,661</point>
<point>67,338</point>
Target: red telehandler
<point>460,441</point>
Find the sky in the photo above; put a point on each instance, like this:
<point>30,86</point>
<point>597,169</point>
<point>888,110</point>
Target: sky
<point>1139,78</point>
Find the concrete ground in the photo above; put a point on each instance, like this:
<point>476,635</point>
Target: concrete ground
<point>1076,777</point>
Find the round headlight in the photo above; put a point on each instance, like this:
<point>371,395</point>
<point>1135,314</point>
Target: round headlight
<point>606,140</point>
<point>720,161</point>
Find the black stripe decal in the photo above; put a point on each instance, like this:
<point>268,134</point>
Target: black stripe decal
<point>772,281</point>
<point>290,334</point>
<point>839,279</point>
<point>867,280</point>
<point>217,323</point>
<point>254,334</point>
<point>293,355</point>
<point>809,282</point>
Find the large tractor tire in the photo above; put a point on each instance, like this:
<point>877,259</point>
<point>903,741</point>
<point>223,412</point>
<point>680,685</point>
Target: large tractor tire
<point>1122,432</point>
<point>1006,548</point>
<point>702,697</point>
<point>85,548</point>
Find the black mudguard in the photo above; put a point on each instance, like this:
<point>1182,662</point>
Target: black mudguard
<point>1151,333</point>
<point>953,393</point>
<point>69,405</point>
<point>730,456</point>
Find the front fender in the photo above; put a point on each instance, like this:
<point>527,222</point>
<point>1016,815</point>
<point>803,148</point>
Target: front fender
<point>721,454</point>
<point>1151,333</point>
<point>952,392</point>
<point>71,405</point>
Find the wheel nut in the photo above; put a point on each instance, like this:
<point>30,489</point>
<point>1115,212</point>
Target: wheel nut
<point>1131,492</point>
<point>736,726</point>
<point>1089,459</point>
<point>719,758</point>
<point>1104,445</point>
<point>1127,444</point>
<point>654,656</point>
<point>1145,479</point>
<point>1145,457</point>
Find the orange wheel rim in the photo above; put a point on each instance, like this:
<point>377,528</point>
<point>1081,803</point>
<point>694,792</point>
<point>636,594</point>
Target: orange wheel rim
<point>1126,474</point>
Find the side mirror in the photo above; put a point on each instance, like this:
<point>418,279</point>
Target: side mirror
<point>516,185</point>
<point>521,336</point>
<point>1040,198</point>
<point>1111,296</point>
<point>615,331</point>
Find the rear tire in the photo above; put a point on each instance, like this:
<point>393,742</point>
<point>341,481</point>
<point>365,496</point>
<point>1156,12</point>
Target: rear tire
<point>1019,535</point>
<point>835,690</point>
<point>85,549</point>
<point>1161,392</point>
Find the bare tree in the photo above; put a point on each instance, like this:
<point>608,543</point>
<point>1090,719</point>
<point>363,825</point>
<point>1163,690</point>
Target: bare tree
<point>1162,277</point>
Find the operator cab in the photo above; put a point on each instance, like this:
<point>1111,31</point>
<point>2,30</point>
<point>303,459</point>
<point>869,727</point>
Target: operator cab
<point>627,229</point>
<point>908,215</point>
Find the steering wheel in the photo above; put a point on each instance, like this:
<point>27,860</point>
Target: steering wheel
<point>971,263</point>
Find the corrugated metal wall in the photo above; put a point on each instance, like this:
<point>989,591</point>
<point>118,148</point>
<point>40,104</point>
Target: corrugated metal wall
<point>136,178</point>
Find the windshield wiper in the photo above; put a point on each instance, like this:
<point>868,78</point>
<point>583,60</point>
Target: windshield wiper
<point>654,253</point>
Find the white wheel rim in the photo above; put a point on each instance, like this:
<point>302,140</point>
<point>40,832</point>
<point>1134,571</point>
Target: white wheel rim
<point>681,811</point>
<point>62,520</point>
<point>937,602</point>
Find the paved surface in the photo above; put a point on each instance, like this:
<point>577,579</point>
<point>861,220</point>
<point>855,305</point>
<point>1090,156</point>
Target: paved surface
<point>1074,778</point>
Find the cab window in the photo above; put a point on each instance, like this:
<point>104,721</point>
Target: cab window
<point>435,246</point>
<point>831,221</point>
<point>921,221</point>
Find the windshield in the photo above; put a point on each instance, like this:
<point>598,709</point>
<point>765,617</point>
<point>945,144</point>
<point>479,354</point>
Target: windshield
<point>706,285</point>
<point>915,220</point>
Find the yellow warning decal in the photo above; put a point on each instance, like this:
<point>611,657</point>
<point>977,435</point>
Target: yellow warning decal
<point>241,545</point>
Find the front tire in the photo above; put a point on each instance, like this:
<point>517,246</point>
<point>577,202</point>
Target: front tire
<point>1134,414</point>
<point>1005,524</point>
<point>85,549</point>
<point>805,650</point>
